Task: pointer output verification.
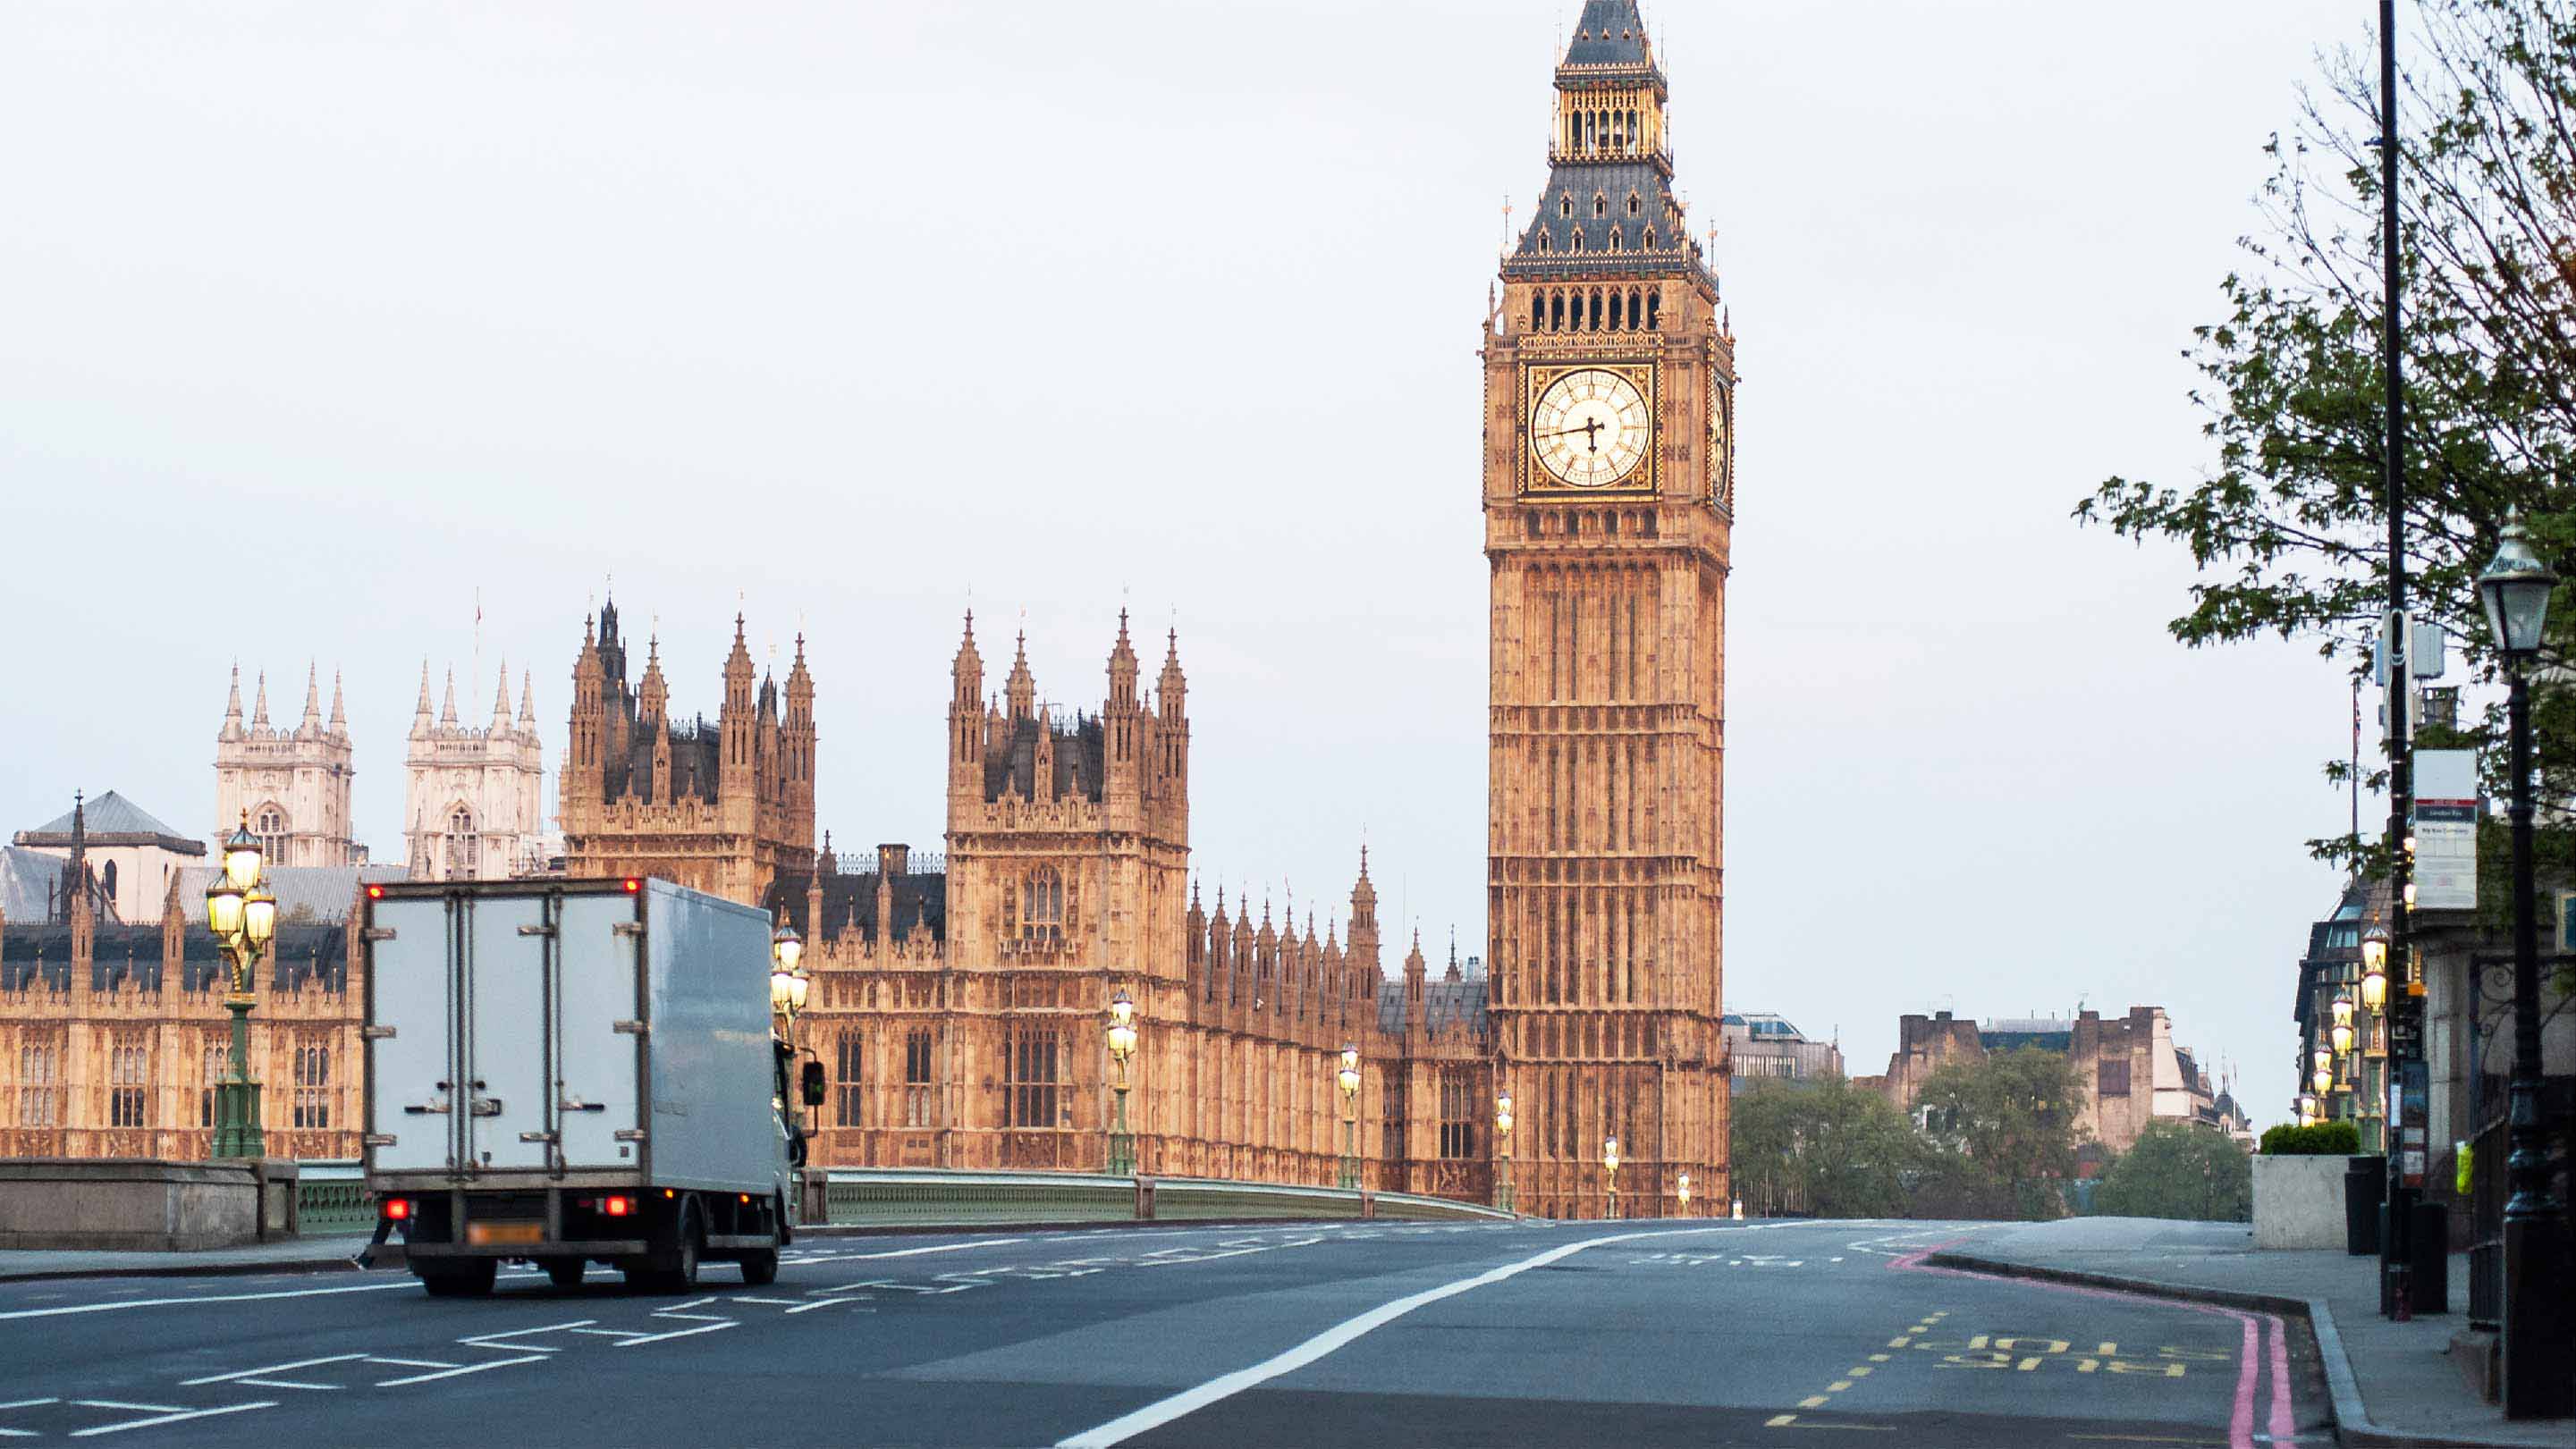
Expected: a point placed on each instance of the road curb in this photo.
(341, 1263)
(2353, 1426)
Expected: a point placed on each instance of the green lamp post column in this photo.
(1348, 1078)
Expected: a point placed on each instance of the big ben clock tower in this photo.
(1609, 500)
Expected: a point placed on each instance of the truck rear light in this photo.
(375, 893)
(618, 1206)
(633, 885)
(397, 1208)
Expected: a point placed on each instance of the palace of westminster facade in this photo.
(957, 1002)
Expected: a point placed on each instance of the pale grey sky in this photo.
(317, 317)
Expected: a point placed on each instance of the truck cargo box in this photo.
(529, 1039)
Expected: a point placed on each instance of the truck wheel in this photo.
(565, 1272)
(470, 1279)
(760, 1269)
(682, 1275)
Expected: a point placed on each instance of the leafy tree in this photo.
(2012, 1114)
(1826, 1147)
(2179, 1170)
(2289, 527)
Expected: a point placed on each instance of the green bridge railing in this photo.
(332, 1199)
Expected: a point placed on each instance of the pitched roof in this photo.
(1611, 32)
(111, 819)
(28, 881)
(321, 893)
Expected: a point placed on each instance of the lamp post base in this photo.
(1503, 1187)
(237, 1113)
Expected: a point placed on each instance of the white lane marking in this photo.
(274, 1368)
(913, 1252)
(172, 1417)
(1190, 1401)
(203, 1298)
(827, 1302)
(449, 1373)
(410, 1362)
(678, 1333)
(494, 1340)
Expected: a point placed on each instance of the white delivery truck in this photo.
(567, 1072)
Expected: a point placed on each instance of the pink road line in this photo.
(2249, 1367)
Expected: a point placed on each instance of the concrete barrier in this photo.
(147, 1204)
(2298, 1202)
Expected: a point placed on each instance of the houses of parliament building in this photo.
(958, 998)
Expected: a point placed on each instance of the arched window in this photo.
(1538, 311)
(1600, 204)
(1650, 238)
(1634, 205)
(1574, 240)
(1618, 314)
(1565, 205)
(1556, 311)
(1614, 238)
(1593, 323)
(1654, 312)
(463, 851)
(107, 879)
(1042, 905)
(270, 826)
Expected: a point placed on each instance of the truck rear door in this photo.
(599, 1008)
(411, 1037)
(503, 981)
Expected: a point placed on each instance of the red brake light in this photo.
(397, 1208)
(375, 893)
(617, 1207)
(633, 885)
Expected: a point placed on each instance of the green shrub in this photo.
(2324, 1139)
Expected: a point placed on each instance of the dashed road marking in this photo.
(161, 1414)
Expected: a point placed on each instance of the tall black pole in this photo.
(2538, 1382)
(2405, 1011)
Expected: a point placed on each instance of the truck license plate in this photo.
(505, 1232)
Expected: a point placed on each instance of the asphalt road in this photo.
(1632, 1334)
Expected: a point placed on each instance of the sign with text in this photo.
(2446, 830)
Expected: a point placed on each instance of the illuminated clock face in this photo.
(1591, 428)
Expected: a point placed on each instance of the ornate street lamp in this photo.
(787, 987)
(243, 916)
(1610, 1174)
(1348, 1078)
(1122, 1045)
(1503, 1149)
(2307, 1109)
(2322, 1079)
(1682, 1188)
(2374, 967)
(2537, 1345)
(2341, 1032)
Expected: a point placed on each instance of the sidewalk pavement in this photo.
(296, 1255)
(2392, 1382)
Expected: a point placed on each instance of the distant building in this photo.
(474, 799)
(132, 854)
(1763, 1046)
(290, 786)
(727, 808)
(113, 1032)
(2133, 1072)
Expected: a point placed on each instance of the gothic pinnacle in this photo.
(339, 706)
(259, 709)
(447, 713)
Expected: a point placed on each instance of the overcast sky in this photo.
(316, 319)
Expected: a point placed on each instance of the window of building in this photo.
(463, 855)
(1031, 1059)
(312, 1085)
(847, 1094)
(216, 1056)
(1635, 207)
(1042, 905)
(107, 879)
(1600, 204)
(270, 827)
(916, 1078)
(40, 1091)
(129, 1068)
(1458, 1114)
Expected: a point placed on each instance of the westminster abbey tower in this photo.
(1608, 502)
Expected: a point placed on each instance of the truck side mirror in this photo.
(812, 1086)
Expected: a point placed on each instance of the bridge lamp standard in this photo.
(1682, 1188)
(1348, 1079)
(242, 913)
(1122, 1045)
(2538, 1344)
(1610, 1173)
(1503, 1149)
(2341, 1032)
